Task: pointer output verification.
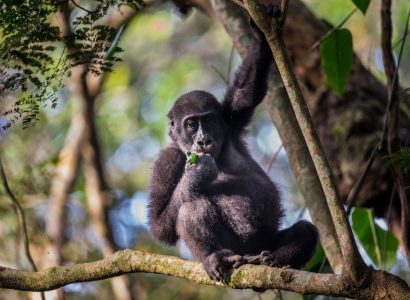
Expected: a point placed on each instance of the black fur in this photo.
(224, 207)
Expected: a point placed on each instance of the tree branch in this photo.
(21, 220)
(21, 217)
(353, 262)
(61, 184)
(247, 276)
(391, 125)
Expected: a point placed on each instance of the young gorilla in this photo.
(224, 206)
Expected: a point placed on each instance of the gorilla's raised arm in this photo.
(250, 84)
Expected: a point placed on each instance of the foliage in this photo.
(34, 60)
(380, 245)
(165, 56)
(315, 264)
(336, 52)
(362, 5)
(400, 158)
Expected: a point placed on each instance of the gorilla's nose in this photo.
(203, 145)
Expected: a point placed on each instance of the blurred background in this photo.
(164, 56)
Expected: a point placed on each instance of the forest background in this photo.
(77, 148)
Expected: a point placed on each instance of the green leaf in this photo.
(336, 53)
(113, 48)
(314, 264)
(380, 245)
(362, 5)
(194, 157)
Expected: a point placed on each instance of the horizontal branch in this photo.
(128, 261)
(247, 276)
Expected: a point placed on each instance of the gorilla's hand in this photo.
(204, 170)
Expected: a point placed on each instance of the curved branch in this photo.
(80, 7)
(21, 216)
(247, 276)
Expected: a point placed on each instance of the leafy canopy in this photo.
(36, 56)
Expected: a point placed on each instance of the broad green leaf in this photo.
(380, 245)
(314, 264)
(362, 5)
(336, 53)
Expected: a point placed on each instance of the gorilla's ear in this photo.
(171, 122)
(171, 125)
(171, 128)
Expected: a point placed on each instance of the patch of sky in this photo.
(81, 288)
(148, 112)
(3, 124)
(129, 216)
(130, 154)
(268, 140)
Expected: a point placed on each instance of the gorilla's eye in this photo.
(191, 124)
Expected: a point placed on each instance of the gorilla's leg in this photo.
(297, 245)
(292, 247)
(201, 227)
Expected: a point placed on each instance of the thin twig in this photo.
(219, 73)
(399, 42)
(390, 126)
(337, 27)
(354, 192)
(20, 214)
(21, 220)
(228, 76)
(275, 155)
(284, 11)
(393, 191)
(239, 2)
(80, 7)
(389, 102)
(301, 213)
(375, 239)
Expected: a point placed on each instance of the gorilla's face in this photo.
(196, 123)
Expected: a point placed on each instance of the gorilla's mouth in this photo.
(204, 150)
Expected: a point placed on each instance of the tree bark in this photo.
(381, 285)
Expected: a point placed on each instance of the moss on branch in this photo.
(247, 276)
(128, 261)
